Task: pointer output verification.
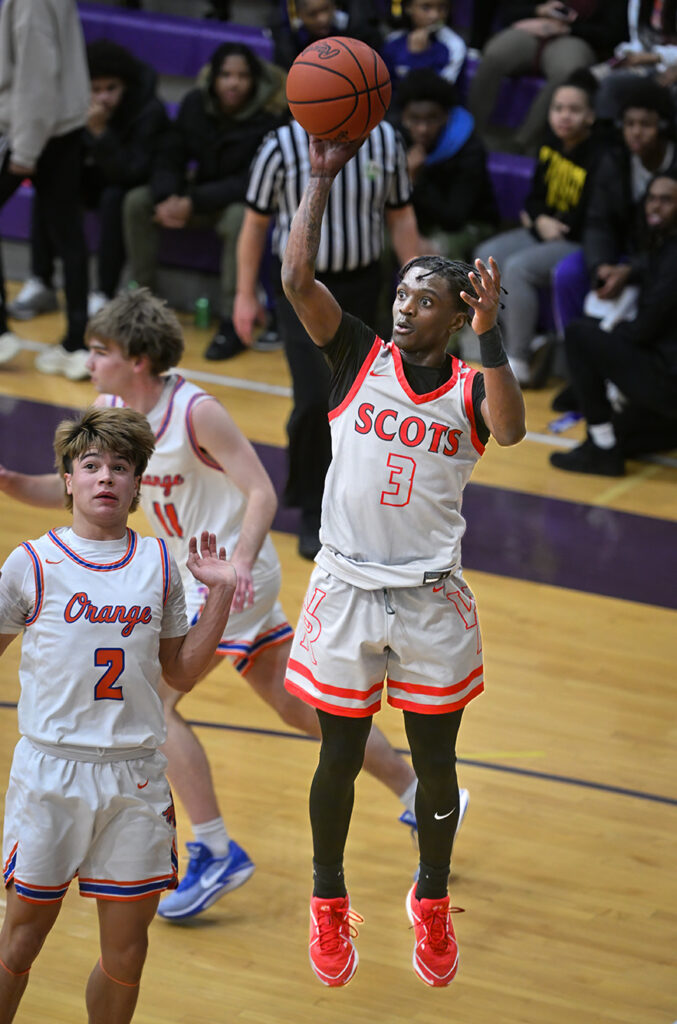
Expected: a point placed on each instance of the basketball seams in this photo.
(361, 79)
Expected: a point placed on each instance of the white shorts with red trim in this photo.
(253, 630)
(425, 641)
(112, 823)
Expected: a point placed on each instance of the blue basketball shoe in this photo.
(207, 879)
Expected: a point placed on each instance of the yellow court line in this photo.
(623, 486)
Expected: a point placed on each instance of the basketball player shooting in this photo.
(387, 599)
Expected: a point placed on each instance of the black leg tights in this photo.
(333, 788)
(432, 741)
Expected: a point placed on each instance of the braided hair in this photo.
(454, 272)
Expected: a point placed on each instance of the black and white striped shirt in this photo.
(352, 226)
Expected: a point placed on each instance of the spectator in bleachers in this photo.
(426, 41)
(650, 49)
(552, 223)
(44, 95)
(124, 125)
(453, 196)
(552, 39)
(637, 355)
(612, 230)
(201, 170)
(310, 20)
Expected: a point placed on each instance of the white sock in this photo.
(214, 835)
(602, 434)
(409, 796)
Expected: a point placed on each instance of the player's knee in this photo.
(342, 759)
(124, 961)
(24, 942)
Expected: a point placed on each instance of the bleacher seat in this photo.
(181, 46)
(174, 45)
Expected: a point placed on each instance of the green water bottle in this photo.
(202, 312)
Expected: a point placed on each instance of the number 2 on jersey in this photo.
(108, 687)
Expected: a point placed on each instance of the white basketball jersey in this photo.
(89, 666)
(391, 513)
(184, 491)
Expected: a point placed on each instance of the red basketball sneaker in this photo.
(435, 956)
(332, 952)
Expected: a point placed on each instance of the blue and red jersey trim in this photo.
(200, 453)
(170, 408)
(166, 570)
(132, 542)
(39, 581)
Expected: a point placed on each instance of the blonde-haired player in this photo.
(103, 615)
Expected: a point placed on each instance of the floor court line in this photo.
(241, 384)
(567, 780)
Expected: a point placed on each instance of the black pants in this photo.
(107, 201)
(595, 356)
(57, 194)
(309, 452)
(432, 741)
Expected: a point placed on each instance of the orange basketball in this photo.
(338, 88)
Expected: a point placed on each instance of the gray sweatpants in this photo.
(526, 266)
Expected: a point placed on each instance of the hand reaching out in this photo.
(208, 567)
(486, 303)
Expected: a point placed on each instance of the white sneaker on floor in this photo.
(56, 360)
(76, 368)
(95, 302)
(9, 346)
(33, 299)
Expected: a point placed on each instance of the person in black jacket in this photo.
(552, 39)
(552, 220)
(202, 168)
(639, 356)
(310, 20)
(124, 123)
(453, 197)
(614, 217)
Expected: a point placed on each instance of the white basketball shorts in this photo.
(424, 640)
(111, 823)
(251, 631)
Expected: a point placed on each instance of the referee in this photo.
(373, 189)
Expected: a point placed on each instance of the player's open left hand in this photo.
(209, 566)
(486, 281)
(328, 156)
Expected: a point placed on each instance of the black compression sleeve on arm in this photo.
(492, 352)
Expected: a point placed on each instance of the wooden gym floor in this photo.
(565, 864)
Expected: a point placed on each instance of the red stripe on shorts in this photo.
(437, 691)
(333, 691)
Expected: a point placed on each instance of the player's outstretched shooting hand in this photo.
(328, 156)
(209, 566)
(486, 302)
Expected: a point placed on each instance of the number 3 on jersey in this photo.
(108, 687)
(401, 480)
